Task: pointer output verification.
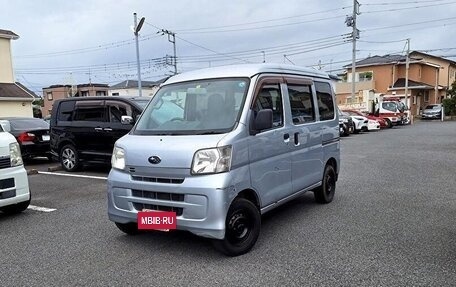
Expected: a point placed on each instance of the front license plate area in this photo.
(156, 220)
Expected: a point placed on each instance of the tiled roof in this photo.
(400, 83)
(134, 84)
(13, 90)
(8, 34)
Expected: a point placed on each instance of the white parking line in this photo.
(72, 175)
(42, 209)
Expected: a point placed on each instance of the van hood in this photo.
(173, 151)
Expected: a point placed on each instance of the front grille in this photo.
(6, 183)
(142, 206)
(5, 162)
(158, 179)
(158, 195)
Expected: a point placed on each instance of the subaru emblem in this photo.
(154, 159)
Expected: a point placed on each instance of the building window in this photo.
(426, 96)
(49, 96)
(419, 73)
(101, 93)
(365, 76)
(85, 94)
(414, 100)
(115, 94)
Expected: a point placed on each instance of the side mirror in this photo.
(262, 121)
(5, 125)
(126, 120)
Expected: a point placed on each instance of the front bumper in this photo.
(200, 202)
(20, 186)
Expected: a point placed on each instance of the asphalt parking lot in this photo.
(392, 223)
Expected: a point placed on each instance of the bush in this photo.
(449, 106)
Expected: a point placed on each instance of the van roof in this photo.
(245, 70)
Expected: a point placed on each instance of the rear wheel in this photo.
(128, 228)
(242, 228)
(69, 158)
(325, 193)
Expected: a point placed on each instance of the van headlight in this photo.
(118, 158)
(212, 160)
(15, 154)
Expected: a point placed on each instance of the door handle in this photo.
(98, 129)
(286, 137)
(107, 129)
(296, 139)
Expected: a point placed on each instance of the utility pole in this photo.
(137, 28)
(407, 64)
(172, 39)
(351, 22)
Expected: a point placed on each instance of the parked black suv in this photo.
(84, 130)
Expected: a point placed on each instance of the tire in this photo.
(389, 124)
(16, 208)
(69, 158)
(128, 228)
(242, 228)
(325, 193)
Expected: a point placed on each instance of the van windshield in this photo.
(197, 107)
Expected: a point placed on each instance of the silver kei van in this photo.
(221, 146)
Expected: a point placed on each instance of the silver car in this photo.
(219, 147)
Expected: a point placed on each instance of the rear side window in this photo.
(325, 101)
(93, 111)
(65, 111)
(302, 104)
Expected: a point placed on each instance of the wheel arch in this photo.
(250, 195)
(332, 161)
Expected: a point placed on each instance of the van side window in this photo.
(325, 101)
(93, 111)
(118, 109)
(302, 104)
(270, 97)
(65, 111)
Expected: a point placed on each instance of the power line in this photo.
(259, 22)
(408, 8)
(408, 24)
(401, 3)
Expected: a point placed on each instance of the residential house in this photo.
(429, 78)
(56, 92)
(15, 98)
(130, 88)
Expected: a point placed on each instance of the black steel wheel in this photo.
(242, 228)
(128, 228)
(325, 193)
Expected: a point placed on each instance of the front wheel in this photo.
(128, 228)
(242, 228)
(69, 158)
(389, 124)
(325, 193)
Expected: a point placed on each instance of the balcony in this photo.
(345, 87)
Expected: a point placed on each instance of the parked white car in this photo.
(14, 187)
(362, 123)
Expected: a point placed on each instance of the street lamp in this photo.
(136, 29)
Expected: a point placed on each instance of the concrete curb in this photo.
(55, 168)
(32, 171)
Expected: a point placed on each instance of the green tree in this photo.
(449, 104)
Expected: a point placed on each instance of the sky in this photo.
(76, 42)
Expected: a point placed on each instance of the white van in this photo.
(14, 187)
(219, 147)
